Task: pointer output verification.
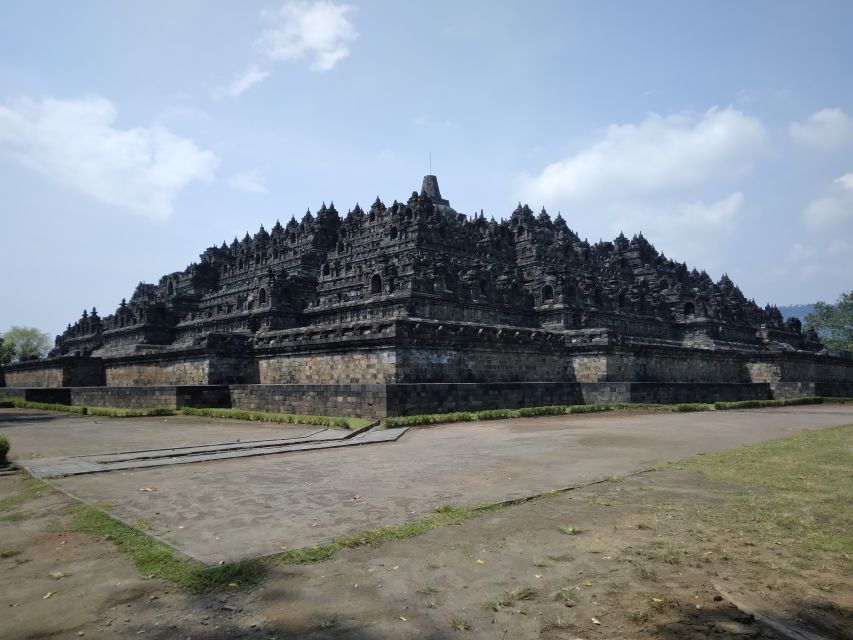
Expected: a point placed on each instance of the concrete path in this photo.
(146, 458)
(230, 509)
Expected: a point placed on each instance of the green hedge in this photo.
(286, 418)
(4, 449)
(552, 410)
(130, 412)
(20, 403)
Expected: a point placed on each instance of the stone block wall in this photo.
(375, 366)
(50, 376)
(655, 364)
(169, 396)
(496, 363)
(673, 392)
(157, 371)
(357, 400)
(413, 399)
(837, 389)
(797, 367)
(57, 395)
(56, 372)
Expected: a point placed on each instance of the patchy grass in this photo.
(798, 488)
(460, 624)
(509, 598)
(555, 410)
(284, 418)
(571, 531)
(33, 489)
(561, 557)
(448, 516)
(155, 559)
(17, 516)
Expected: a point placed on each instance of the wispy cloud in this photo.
(249, 181)
(76, 143)
(827, 129)
(319, 30)
(247, 79)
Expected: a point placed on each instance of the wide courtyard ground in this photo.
(658, 554)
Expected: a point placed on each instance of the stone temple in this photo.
(416, 308)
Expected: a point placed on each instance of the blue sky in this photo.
(133, 135)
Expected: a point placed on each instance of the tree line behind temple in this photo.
(833, 323)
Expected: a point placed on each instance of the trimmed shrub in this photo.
(284, 418)
(130, 412)
(4, 449)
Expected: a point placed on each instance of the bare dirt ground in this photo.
(647, 556)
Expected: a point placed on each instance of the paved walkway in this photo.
(230, 509)
(145, 458)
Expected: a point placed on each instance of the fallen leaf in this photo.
(481, 562)
(698, 606)
(148, 489)
(657, 599)
(402, 618)
(233, 584)
(595, 621)
(537, 575)
(48, 595)
(57, 575)
(587, 583)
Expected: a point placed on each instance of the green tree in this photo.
(834, 322)
(24, 343)
(6, 352)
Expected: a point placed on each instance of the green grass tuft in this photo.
(33, 489)
(509, 598)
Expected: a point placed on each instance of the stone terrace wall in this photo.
(655, 364)
(413, 399)
(55, 372)
(357, 400)
(376, 366)
(171, 397)
(785, 367)
(673, 392)
(470, 364)
(158, 371)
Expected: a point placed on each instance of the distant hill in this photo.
(797, 311)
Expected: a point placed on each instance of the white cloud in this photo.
(657, 155)
(249, 78)
(826, 129)
(318, 29)
(691, 231)
(834, 211)
(249, 181)
(76, 143)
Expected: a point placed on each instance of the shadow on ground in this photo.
(812, 620)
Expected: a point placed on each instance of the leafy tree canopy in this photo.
(834, 322)
(23, 343)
